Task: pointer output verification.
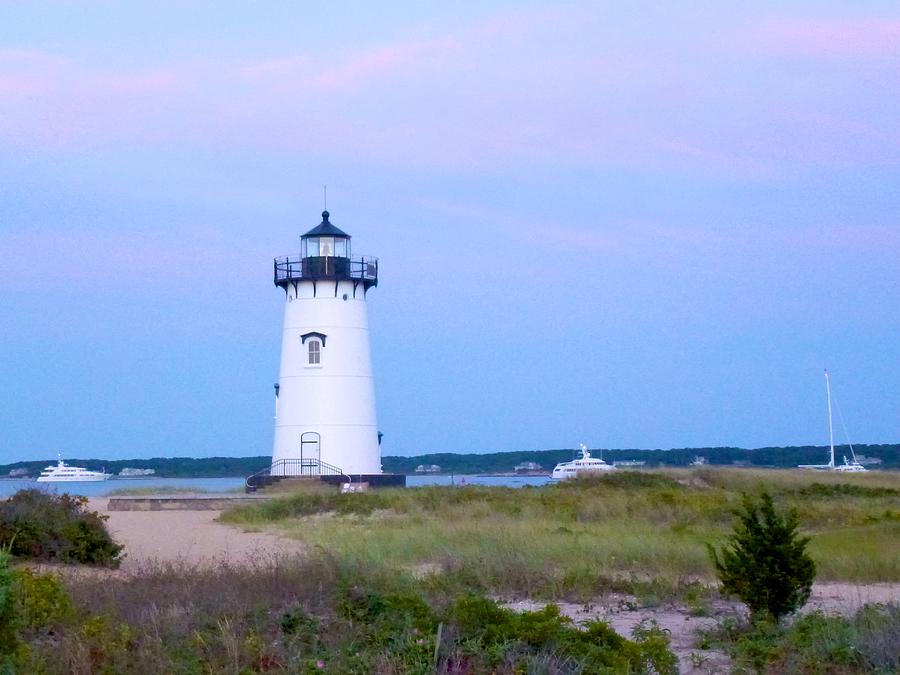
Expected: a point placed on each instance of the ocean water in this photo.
(506, 481)
(104, 488)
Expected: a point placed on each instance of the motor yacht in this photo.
(63, 473)
(585, 465)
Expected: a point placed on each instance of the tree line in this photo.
(496, 462)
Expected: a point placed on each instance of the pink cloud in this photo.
(384, 60)
(300, 72)
(147, 83)
(59, 101)
(823, 38)
(26, 73)
(427, 55)
(19, 86)
(542, 87)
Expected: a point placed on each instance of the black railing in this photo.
(294, 268)
(292, 468)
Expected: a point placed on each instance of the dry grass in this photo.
(587, 536)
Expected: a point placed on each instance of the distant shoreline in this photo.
(490, 464)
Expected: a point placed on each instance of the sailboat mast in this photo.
(830, 426)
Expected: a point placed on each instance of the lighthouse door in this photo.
(310, 452)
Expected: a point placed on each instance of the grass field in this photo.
(639, 531)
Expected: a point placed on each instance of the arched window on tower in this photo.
(315, 353)
(314, 342)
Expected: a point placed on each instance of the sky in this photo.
(628, 224)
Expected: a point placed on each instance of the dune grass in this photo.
(638, 530)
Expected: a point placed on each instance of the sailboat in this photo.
(849, 465)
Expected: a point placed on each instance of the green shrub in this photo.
(41, 600)
(45, 526)
(765, 562)
(867, 642)
(485, 628)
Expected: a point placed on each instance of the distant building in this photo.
(699, 460)
(527, 466)
(19, 473)
(868, 461)
(629, 462)
(428, 468)
(128, 472)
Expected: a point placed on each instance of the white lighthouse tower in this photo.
(325, 421)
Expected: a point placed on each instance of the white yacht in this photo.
(63, 473)
(849, 465)
(585, 465)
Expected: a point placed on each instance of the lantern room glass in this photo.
(326, 247)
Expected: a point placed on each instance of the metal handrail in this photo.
(307, 467)
(359, 268)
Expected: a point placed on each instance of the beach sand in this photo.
(188, 536)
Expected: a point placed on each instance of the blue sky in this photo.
(626, 224)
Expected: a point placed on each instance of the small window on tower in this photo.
(315, 353)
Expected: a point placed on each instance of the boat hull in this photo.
(78, 479)
(562, 474)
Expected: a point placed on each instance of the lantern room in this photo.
(325, 251)
(325, 241)
(325, 255)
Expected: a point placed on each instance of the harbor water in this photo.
(236, 484)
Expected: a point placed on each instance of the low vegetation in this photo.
(8, 623)
(303, 616)
(55, 528)
(414, 581)
(867, 642)
(642, 532)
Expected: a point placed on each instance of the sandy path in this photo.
(194, 536)
(623, 616)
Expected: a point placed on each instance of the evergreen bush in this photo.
(764, 561)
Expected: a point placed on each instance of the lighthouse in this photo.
(325, 422)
